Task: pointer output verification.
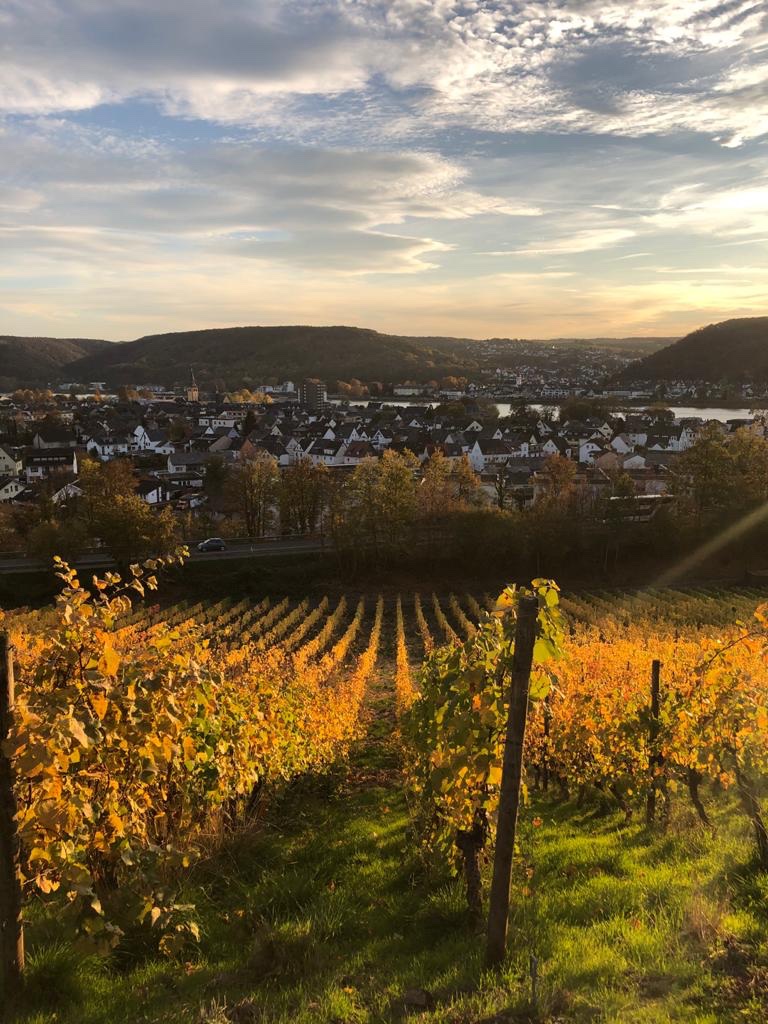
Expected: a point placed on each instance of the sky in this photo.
(476, 168)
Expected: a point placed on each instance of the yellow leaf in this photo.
(110, 660)
(78, 732)
(116, 822)
(99, 703)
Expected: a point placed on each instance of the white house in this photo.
(588, 450)
(10, 488)
(41, 464)
(154, 492)
(10, 464)
(326, 453)
(622, 445)
(109, 447)
(489, 453)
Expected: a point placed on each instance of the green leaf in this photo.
(541, 684)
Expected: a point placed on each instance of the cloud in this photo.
(306, 206)
(740, 211)
(399, 66)
(382, 161)
(579, 241)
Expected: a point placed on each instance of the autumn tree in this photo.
(466, 485)
(374, 514)
(554, 522)
(302, 497)
(131, 530)
(51, 537)
(447, 486)
(10, 537)
(706, 474)
(558, 475)
(435, 489)
(102, 483)
(749, 455)
(501, 487)
(114, 514)
(396, 498)
(253, 488)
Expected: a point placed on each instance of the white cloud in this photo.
(625, 67)
(309, 207)
(577, 242)
(725, 212)
(380, 161)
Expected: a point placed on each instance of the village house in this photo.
(39, 464)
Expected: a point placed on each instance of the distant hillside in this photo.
(36, 360)
(734, 350)
(283, 352)
(237, 355)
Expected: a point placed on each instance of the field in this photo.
(310, 626)
(263, 801)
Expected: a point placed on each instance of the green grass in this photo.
(326, 913)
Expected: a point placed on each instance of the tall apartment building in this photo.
(313, 395)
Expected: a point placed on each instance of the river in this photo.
(505, 408)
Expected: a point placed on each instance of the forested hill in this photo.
(734, 350)
(235, 353)
(38, 359)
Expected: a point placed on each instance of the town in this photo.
(183, 454)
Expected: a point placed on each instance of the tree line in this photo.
(393, 510)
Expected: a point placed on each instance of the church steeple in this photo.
(193, 391)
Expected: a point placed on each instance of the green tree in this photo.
(217, 475)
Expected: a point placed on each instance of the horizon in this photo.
(354, 327)
(463, 168)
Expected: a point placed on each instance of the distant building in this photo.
(313, 395)
(193, 392)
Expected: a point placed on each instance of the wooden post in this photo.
(511, 775)
(655, 759)
(11, 928)
(547, 721)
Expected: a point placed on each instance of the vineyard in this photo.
(146, 737)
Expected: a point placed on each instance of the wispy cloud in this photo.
(626, 67)
(399, 156)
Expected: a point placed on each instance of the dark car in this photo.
(212, 544)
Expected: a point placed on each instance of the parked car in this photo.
(212, 544)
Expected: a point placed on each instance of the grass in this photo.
(327, 915)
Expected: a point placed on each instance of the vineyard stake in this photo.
(656, 760)
(511, 775)
(11, 927)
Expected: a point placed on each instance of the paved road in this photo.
(237, 549)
